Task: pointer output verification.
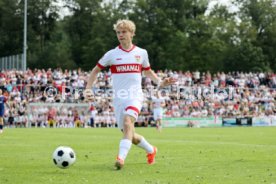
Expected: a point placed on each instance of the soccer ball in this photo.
(64, 157)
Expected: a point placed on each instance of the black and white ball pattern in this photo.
(64, 157)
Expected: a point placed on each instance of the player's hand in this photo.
(88, 95)
(168, 81)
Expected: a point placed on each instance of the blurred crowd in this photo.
(196, 94)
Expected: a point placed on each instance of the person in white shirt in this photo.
(158, 103)
(127, 61)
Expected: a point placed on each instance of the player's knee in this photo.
(128, 126)
(128, 120)
(128, 130)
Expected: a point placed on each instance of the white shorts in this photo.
(157, 114)
(131, 107)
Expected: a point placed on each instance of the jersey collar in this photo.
(133, 46)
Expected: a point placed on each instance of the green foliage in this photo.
(248, 58)
(262, 15)
(56, 53)
(11, 28)
(178, 34)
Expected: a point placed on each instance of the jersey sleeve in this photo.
(145, 62)
(105, 60)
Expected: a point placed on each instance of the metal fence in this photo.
(12, 62)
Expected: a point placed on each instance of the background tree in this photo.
(11, 26)
(260, 17)
(42, 22)
(178, 34)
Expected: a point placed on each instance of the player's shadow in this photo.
(110, 167)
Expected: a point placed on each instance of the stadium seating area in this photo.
(196, 94)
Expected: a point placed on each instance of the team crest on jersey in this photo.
(138, 58)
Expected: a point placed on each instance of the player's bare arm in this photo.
(161, 83)
(88, 94)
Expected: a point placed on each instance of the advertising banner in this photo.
(229, 122)
(264, 121)
(192, 122)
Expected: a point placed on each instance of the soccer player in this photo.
(2, 110)
(158, 103)
(127, 61)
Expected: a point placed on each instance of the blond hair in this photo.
(126, 24)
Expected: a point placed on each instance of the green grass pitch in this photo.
(185, 155)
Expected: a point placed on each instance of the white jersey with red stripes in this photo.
(126, 68)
